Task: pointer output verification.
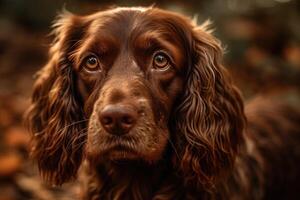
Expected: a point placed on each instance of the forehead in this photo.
(127, 25)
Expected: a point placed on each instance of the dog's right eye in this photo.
(92, 63)
(161, 61)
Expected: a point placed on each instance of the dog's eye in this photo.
(161, 61)
(92, 63)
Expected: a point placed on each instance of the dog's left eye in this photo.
(161, 61)
(92, 63)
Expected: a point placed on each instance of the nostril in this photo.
(127, 120)
(106, 120)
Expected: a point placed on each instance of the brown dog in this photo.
(141, 95)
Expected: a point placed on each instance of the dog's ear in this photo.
(209, 118)
(55, 117)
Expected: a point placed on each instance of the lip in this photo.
(121, 152)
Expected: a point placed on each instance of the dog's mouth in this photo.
(120, 148)
(121, 153)
(135, 146)
(115, 152)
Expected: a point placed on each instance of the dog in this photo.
(138, 101)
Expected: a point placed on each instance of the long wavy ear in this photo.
(209, 118)
(55, 116)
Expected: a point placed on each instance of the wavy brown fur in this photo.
(211, 152)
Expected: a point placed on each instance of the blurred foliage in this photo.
(261, 38)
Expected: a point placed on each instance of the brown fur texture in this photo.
(190, 139)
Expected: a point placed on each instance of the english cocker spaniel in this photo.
(137, 100)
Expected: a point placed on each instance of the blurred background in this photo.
(262, 40)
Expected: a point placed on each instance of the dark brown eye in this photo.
(161, 61)
(92, 63)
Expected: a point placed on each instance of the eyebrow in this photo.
(101, 44)
(153, 39)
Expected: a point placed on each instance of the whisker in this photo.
(61, 129)
(72, 124)
(172, 146)
(82, 133)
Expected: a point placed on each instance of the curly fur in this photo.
(212, 152)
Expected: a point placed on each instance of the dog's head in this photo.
(132, 84)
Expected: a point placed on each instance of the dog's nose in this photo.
(118, 119)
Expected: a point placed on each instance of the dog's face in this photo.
(131, 66)
(124, 83)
